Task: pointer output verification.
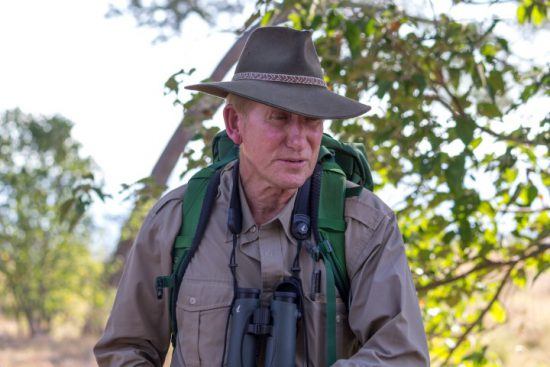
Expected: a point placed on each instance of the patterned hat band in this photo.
(284, 78)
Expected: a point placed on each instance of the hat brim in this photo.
(306, 100)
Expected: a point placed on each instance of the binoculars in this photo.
(276, 325)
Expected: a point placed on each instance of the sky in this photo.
(65, 57)
(105, 75)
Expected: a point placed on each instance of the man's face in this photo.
(278, 147)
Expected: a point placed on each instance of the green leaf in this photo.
(465, 129)
(510, 174)
(486, 208)
(420, 81)
(488, 50)
(370, 27)
(266, 18)
(475, 143)
(383, 87)
(528, 194)
(448, 237)
(521, 12)
(537, 15)
(496, 81)
(296, 21)
(503, 43)
(532, 192)
(497, 312)
(171, 84)
(353, 36)
(529, 91)
(333, 20)
(488, 109)
(316, 22)
(455, 174)
(454, 74)
(65, 207)
(519, 277)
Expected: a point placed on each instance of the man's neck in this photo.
(264, 201)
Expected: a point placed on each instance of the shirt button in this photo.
(253, 229)
(338, 318)
(192, 300)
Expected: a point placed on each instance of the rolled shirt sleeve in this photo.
(137, 332)
(384, 312)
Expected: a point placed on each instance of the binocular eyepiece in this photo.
(252, 324)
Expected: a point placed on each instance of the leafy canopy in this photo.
(454, 134)
(45, 264)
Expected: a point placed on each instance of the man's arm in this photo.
(384, 312)
(137, 333)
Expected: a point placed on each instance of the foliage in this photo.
(168, 15)
(528, 11)
(454, 132)
(45, 264)
(475, 212)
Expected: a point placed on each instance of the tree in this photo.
(452, 133)
(45, 264)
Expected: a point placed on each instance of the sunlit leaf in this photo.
(488, 109)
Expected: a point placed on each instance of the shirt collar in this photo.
(249, 229)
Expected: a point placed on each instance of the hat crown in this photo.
(280, 50)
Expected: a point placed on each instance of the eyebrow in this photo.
(277, 110)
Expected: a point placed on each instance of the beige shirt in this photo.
(383, 327)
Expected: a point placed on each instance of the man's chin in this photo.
(292, 182)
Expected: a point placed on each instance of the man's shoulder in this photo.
(173, 196)
(367, 208)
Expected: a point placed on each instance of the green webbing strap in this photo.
(192, 205)
(331, 229)
(332, 225)
(330, 316)
(334, 156)
(191, 210)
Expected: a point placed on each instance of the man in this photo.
(274, 111)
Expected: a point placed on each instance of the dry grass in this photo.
(523, 341)
(43, 351)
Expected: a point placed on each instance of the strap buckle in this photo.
(313, 250)
(161, 282)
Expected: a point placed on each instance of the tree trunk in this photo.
(203, 109)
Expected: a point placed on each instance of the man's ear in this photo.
(232, 126)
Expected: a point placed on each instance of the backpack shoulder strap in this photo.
(197, 205)
(328, 189)
(191, 211)
(332, 226)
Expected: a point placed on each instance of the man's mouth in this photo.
(294, 162)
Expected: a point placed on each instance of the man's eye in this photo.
(313, 120)
(279, 117)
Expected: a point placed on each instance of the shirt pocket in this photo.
(346, 344)
(202, 310)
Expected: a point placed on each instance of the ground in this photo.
(523, 341)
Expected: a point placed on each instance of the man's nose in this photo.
(296, 131)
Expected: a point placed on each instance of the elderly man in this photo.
(275, 106)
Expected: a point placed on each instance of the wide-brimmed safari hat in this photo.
(279, 67)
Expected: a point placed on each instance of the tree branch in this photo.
(203, 108)
(377, 8)
(486, 265)
(479, 319)
(508, 137)
(525, 210)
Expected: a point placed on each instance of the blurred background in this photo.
(95, 126)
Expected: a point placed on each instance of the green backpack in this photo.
(339, 162)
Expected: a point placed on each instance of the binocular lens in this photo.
(289, 297)
(248, 293)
